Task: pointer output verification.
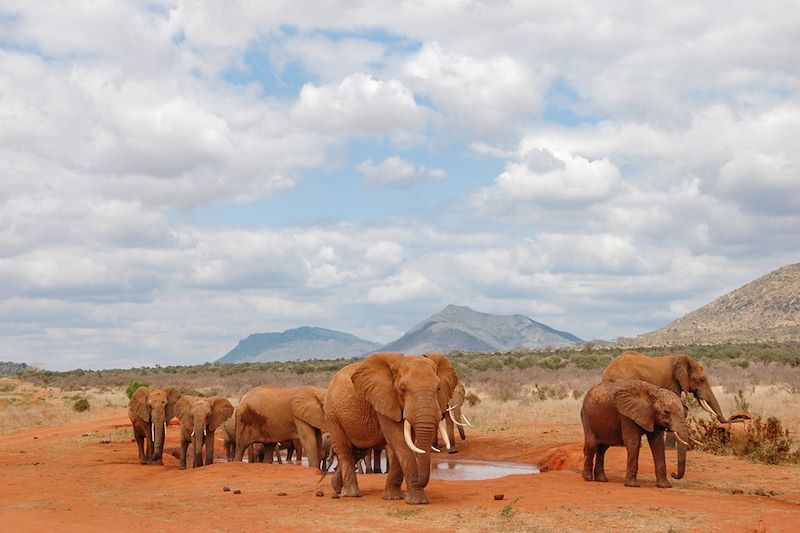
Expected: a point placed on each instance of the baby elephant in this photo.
(200, 418)
(618, 413)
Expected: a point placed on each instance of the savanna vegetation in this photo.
(546, 385)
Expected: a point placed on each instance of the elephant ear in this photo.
(680, 371)
(221, 410)
(447, 378)
(138, 404)
(173, 395)
(306, 405)
(182, 409)
(635, 403)
(374, 379)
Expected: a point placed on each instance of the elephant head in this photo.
(202, 416)
(651, 406)
(156, 407)
(691, 376)
(412, 390)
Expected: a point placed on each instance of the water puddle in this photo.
(453, 469)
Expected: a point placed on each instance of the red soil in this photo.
(84, 476)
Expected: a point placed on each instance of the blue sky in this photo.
(175, 176)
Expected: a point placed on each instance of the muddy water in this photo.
(456, 469)
(453, 469)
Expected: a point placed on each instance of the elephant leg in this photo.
(184, 447)
(376, 460)
(600, 463)
(589, 448)
(632, 445)
(149, 445)
(336, 481)
(298, 451)
(308, 440)
(394, 479)
(368, 461)
(656, 441)
(278, 454)
(267, 453)
(140, 445)
(347, 463)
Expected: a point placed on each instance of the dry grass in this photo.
(24, 405)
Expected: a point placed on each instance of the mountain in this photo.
(767, 309)
(461, 328)
(299, 343)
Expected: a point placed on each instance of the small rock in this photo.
(320, 494)
(282, 494)
(34, 438)
(226, 488)
(737, 491)
(499, 496)
(335, 496)
(237, 491)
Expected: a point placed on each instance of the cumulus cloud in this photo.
(552, 179)
(395, 171)
(360, 104)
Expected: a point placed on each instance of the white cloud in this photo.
(406, 285)
(359, 104)
(553, 180)
(395, 171)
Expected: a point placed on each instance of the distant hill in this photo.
(461, 328)
(299, 343)
(767, 309)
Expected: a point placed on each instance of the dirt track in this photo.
(83, 476)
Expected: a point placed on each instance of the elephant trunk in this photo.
(157, 421)
(198, 437)
(682, 438)
(423, 434)
(714, 404)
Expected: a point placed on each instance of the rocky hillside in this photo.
(765, 310)
(298, 344)
(461, 328)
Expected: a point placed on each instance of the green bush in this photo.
(472, 399)
(132, 386)
(552, 362)
(81, 405)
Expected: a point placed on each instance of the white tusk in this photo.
(165, 432)
(437, 450)
(204, 432)
(464, 418)
(697, 442)
(407, 436)
(679, 439)
(450, 407)
(443, 433)
(152, 431)
(705, 406)
(456, 422)
(192, 435)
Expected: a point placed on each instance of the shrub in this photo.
(552, 362)
(81, 405)
(472, 399)
(761, 442)
(132, 386)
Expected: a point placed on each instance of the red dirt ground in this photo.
(84, 476)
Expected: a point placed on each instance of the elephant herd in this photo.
(409, 405)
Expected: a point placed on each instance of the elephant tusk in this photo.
(443, 433)
(204, 432)
(152, 431)
(464, 418)
(437, 450)
(165, 432)
(456, 422)
(191, 436)
(679, 439)
(696, 442)
(407, 436)
(450, 407)
(704, 405)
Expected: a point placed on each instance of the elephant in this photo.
(271, 414)
(200, 418)
(149, 410)
(371, 461)
(618, 413)
(676, 372)
(392, 400)
(229, 436)
(455, 418)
